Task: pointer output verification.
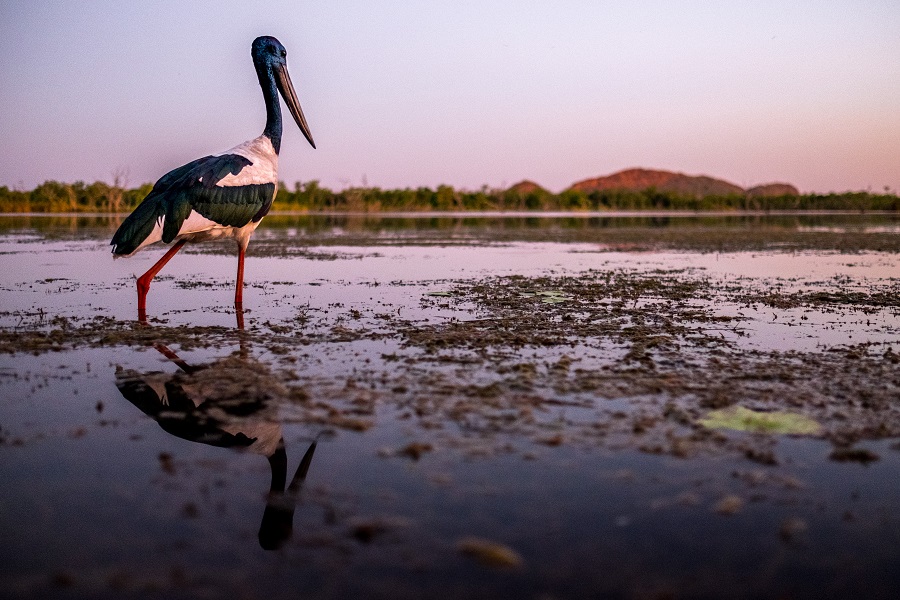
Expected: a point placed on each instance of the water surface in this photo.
(453, 406)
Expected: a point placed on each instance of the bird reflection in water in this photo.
(228, 403)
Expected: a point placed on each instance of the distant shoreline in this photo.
(524, 198)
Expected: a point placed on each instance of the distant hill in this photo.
(696, 186)
(664, 181)
(679, 183)
(525, 187)
(772, 190)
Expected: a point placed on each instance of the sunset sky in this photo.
(468, 93)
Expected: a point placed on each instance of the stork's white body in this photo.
(197, 228)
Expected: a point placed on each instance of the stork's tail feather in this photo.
(137, 226)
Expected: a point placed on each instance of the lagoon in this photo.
(454, 406)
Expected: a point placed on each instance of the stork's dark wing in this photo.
(194, 187)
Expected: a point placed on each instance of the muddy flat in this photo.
(490, 406)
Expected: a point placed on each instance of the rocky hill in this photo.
(668, 181)
(772, 190)
(523, 188)
(664, 181)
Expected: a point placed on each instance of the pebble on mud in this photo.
(415, 450)
(729, 505)
(166, 463)
(490, 554)
(366, 529)
(860, 455)
(791, 528)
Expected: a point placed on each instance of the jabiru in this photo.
(219, 196)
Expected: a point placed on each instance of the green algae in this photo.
(738, 418)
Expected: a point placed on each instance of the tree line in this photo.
(100, 197)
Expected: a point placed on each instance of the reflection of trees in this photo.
(228, 403)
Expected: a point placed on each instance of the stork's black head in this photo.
(270, 59)
(267, 50)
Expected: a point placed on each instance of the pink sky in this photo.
(406, 94)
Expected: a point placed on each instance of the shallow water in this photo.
(447, 401)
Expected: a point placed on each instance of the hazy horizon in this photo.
(463, 93)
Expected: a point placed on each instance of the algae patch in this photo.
(548, 296)
(739, 418)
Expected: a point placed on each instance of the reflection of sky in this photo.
(97, 478)
(465, 93)
(62, 279)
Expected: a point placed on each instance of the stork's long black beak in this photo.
(283, 80)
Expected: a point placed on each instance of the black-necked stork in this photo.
(220, 196)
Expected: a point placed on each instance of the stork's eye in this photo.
(284, 54)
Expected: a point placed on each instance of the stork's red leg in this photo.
(239, 313)
(239, 289)
(143, 282)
